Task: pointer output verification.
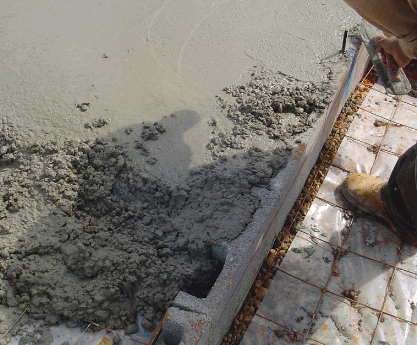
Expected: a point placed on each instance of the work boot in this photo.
(364, 192)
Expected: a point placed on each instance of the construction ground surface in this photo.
(344, 277)
(347, 278)
(122, 127)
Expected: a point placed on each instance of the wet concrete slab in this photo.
(68, 64)
(134, 62)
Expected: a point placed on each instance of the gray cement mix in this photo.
(111, 240)
(122, 161)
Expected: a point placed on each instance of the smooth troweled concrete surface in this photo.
(136, 61)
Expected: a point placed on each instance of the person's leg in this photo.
(400, 194)
(394, 201)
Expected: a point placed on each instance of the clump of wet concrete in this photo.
(110, 240)
(83, 106)
(269, 106)
(88, 235)
(39, 335)
(96, 123)
(153, 132)
(143, 149)
(352, 294)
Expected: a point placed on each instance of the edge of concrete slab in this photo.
(203, 321)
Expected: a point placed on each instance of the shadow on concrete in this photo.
(114, 234)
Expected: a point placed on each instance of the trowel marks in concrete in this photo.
(87, 233)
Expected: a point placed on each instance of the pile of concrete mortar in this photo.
(107, 239)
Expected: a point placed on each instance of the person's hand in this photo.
(392, 55)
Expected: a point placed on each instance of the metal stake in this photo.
(343, 50)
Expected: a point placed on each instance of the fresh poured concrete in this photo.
(133, 63)
(206, 321)
(136, 61)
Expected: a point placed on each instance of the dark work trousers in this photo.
(400, 194)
